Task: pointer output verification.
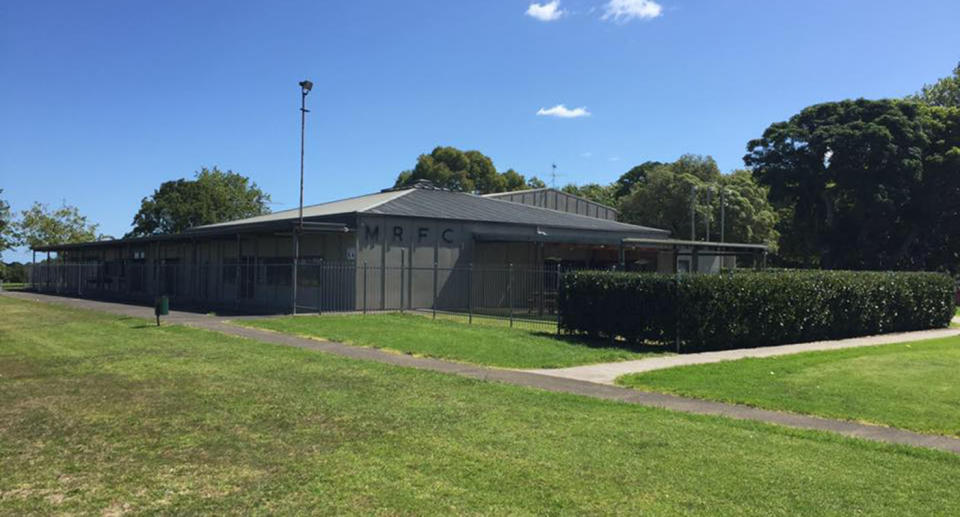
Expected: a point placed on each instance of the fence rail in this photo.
(511, 296)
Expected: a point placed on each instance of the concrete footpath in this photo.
(606, 373)
(523, 378)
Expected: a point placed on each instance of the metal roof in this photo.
(429, 203)
(440, 204)
(342, 206)
(433, 203)
(497, 195)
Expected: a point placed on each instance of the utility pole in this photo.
(305, 87)
(693, 213)
(553, 175)
(709, 211)
(723, 213)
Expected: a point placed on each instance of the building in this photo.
(558, 200)
(413, 247)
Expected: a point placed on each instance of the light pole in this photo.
(723, 213)
(709, 211)
(305, 87)
(693, 213)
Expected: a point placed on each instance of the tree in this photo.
(629, 179)
(39, 226)
(213, 196)
(603, 194)
(462, 171)
(864, 184)
(13, 272)
(944, 93)
(535, 182)
(663, 200)
(8, 236)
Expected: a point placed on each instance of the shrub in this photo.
(749, 309)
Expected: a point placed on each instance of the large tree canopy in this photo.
(944, 93)
(603, 194)
(661, 197)
(213, 196)
(463, 171)
(39, 226)
(865, 184)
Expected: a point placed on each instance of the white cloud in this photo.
(547, 12)
(561, 111)
(626, 10)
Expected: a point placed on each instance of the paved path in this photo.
(606, 373)
(527, 379)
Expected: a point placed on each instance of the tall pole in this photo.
(693, 213)
(305, 87)
(709, 212)
(723, 213)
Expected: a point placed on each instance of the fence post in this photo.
(294, 280)
(510, 291)
(79, 278)
(556, 303)
(410, 281)
(403, 262)
(470, 294)
(364, 286)
(320, 270)
(434, 290)
(542, 283)
(676, 315)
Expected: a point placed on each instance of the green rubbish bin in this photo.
(161, 307)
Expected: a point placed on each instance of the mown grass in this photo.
(533, 324)
(441, 338)
(907, 385)
(103, 414)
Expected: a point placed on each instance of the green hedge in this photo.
(749, 309)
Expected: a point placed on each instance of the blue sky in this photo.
(101, 101)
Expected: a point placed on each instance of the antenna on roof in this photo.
(553, 175)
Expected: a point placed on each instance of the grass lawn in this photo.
(544, 325)
(907, 385)
(479, 344)
(14, 286)
(104, 414)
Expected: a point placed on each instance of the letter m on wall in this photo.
(371, 233)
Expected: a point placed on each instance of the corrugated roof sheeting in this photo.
(343, 206)
(468, 207)
(554, 199)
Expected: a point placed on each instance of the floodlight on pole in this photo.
(305, 87)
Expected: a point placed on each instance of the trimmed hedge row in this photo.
(750, 309)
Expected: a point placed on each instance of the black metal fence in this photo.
(510, 296)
